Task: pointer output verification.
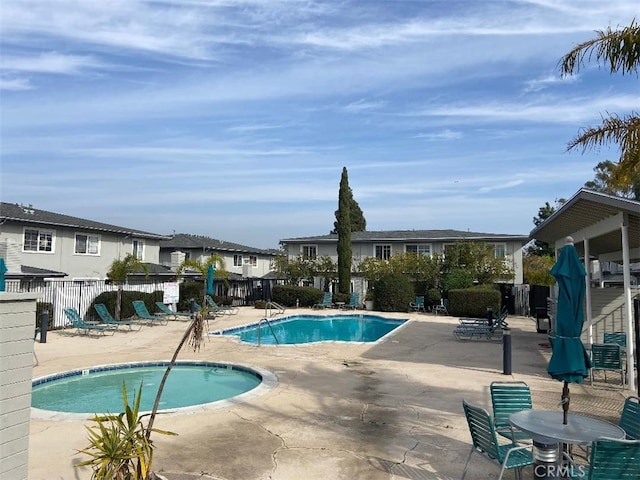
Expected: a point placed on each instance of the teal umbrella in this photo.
(210, 274)
(569, 360)
(3, 270)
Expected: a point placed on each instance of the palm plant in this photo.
(619, 51)
(118, 272)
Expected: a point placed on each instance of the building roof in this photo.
(411, 235)
(185, 241)
(34, 272)
(588, 209)
(27, 214)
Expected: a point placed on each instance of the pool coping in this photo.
(235, 338)
(268, 382)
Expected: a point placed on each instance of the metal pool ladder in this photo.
(270, 328)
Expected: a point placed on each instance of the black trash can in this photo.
(542, 320)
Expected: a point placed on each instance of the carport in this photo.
(605, 228)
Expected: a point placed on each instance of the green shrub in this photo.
(473, 302)
(341, 297)
(189, 290)
(393, 293)
(260, 304)
(433, 297)
(287, 295)
(457, 279)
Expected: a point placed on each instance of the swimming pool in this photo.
(299, 329)
(190, 387)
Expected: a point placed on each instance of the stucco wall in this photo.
(17, 321)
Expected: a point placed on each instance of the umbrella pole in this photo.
(565, 402)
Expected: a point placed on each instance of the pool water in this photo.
(100, 390)
(316, 328)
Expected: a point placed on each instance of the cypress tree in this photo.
(343, 228)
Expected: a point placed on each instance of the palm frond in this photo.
(619, 50)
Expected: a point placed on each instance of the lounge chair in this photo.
(473, 331)
(442, 307)
(354, 301)
(143, 314)
(164, 310)
(218, 310)
(107, 318)
(327, 301)
(417, 305)
(86, 328)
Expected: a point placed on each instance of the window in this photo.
(237, 260)
(309, 251)
(383, 251)
(87, 244)
(500, 250)
(420, 249)
(38, 240)
(138, 247)
(251, 260)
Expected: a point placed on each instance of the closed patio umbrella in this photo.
(210, 274)
(3, 270)
(569, 361)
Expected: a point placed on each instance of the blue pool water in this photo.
(99, 390)
(316, 328)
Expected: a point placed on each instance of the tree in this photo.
(478, 259)
(325, 268)
(536, 270)
(295, 269)
(343, 228)
(604, 182)
(358, 222)
(619, 51)
(544, 212)
(118, 272)
(203, 269)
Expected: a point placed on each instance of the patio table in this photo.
(548, 432)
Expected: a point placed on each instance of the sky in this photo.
(234, 118)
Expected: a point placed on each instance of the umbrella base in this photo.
(546, 461)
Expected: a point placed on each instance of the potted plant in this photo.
(368, 300)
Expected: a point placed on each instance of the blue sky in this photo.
(233, 118)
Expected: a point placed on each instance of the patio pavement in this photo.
(391, 410)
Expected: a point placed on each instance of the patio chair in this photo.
(610, 459)
(354, 301)
(508, 398)
(630, 418)
(218, 310)
(619, 338)
(327, 301)
(485, 442)
(143, 314)
(606, 357)
(417, 305)
(107, 318)
(86, 328)
(164, 310)
(442, 307)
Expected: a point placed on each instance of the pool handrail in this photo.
(270, 328)
(270, 306)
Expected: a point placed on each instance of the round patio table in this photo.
(548, 432)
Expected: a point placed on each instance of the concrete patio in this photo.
(391, 410)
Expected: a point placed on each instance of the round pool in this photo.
(190, 387)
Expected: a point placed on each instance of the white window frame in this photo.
(88, 241)
(496, 246)
(44, 237)
(251, 260)
(237, 260)
(309, 251)
(421, 248)
(138, 252)
(385, 251)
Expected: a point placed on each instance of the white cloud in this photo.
(445, 134)
(15, 84)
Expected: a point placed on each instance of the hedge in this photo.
(473, 302)
(292, 295)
